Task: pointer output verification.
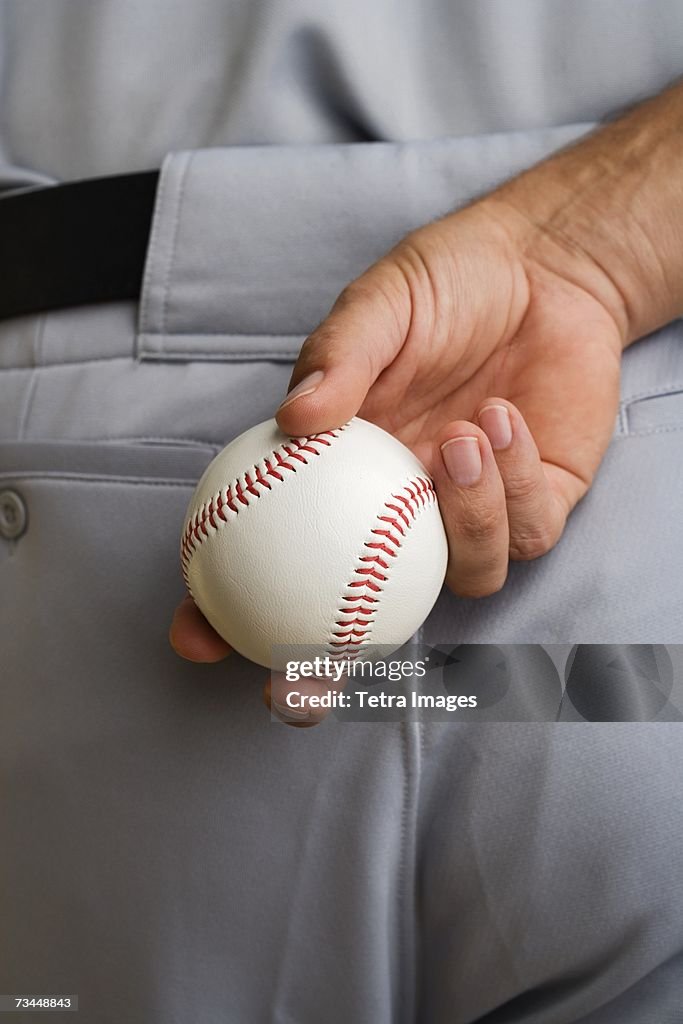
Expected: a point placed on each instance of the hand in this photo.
(490, 340)
(499, 372)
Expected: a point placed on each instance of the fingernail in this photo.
(495, 421)
(305, 387)
(291, 714)
(463, 460)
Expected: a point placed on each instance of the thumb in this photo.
(341, 359)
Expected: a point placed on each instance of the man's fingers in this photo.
(538, 498)
(193, 638)
(297, 703)
(345, 354)
(472, 503)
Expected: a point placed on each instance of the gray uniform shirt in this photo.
(104, 87)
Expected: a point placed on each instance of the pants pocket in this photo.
(658, 412)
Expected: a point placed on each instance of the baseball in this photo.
(330, 542)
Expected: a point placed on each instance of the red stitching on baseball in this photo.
(250, 485)
(371, 572)
(230, 501)
(389, 536)
(349, 644)
(236, 493)
(375, 558)
(261, 479)
(400, 511)
(354, 630)
(273, 472)
(393, 521)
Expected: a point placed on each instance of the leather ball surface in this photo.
(330, 542)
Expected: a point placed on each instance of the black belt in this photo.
(74, 244)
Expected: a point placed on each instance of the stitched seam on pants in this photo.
(178, 355)
(663, 391)
(407, 958)
(57, 475)
(648, 432)
(174, 241)
(33, 379)
(151, 256)
(185, 442)
(58, 364)
(629, 406)
(226, 334)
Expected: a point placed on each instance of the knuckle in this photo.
(524, 547)
(348, 295)
(521, 489)
(309, 348)
(323, 340)
(479, 524)
(359, 290)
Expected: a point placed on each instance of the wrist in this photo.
(607, 213)
(549, 232)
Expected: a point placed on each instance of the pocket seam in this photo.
(236, 345)
(659, 392)
(625, 417)
(649, 431)
(56, 475)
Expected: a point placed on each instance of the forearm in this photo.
(614, 202)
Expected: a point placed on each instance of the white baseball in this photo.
(331, 542)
